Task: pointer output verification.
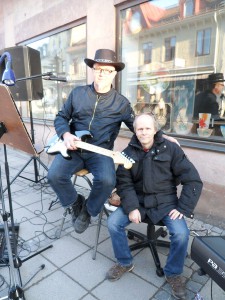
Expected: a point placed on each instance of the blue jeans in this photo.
(104, 178)
(179, 236)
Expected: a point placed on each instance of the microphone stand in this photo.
(46, 76)
(34, 76)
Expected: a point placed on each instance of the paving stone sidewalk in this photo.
(70, 273)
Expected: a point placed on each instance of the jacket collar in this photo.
(110, 92)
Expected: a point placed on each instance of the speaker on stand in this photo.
(26, 64)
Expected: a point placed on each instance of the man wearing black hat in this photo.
(208, 101)
(100, 109)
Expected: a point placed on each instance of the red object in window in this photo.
(202, 123)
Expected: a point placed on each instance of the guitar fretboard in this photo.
(94, 148)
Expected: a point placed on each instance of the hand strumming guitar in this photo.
(69, 140)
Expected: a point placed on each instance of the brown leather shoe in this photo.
(117, 271)
(177, 284)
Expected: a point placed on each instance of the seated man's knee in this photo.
(52, 177)
(56, 178)
(107, 181)
(182, 234)
(112, 223)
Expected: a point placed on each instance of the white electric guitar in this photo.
(56, 145)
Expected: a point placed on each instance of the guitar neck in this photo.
(93, 148)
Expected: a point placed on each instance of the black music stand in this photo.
(35, 158)
(17, 135)
(13, 133)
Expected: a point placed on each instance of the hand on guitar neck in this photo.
(72, 142)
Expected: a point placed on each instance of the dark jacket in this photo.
(151, 184)
(205, 102)
(101, 114)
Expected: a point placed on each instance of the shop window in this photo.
(203, 42)
(167, 78)
(62, 54)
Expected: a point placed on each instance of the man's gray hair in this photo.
(155, 122)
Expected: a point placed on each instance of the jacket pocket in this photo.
(160, 201)
(150, 201)
(165, 200)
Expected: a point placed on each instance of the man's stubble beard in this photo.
(102, 87)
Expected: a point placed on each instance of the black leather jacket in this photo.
(205, 102)
(151, 184)
(101, 114)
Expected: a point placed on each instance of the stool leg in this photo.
(88, 181)
(66, 212)
(75, 179)
(97, 234)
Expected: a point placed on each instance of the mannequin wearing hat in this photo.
(208, 101)
(100, 109)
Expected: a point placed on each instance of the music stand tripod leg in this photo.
(36, 172)
(15, 292)
(13, 133)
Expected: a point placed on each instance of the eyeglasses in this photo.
(104, 71)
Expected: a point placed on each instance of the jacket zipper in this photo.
(89, 127)
(96, 103)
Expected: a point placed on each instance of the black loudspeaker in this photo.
(209, 253)
(26, 62)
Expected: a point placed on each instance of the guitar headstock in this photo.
(123, 159)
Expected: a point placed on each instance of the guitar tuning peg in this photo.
(129, 158)
(124, 154)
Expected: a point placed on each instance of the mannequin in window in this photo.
(209, 100)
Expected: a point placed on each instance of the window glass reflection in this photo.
(170, 48)
(63, 54)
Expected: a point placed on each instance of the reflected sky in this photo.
(165, 3)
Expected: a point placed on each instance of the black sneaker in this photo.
(117, 271)
(76, 207)
(177, 284)
(83, 220)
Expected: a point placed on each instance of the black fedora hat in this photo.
(216, 77)
(106, 57)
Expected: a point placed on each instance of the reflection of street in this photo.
(50, 96)
(142, 107)
(48, 103)
(160, 109)
(170, 101)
